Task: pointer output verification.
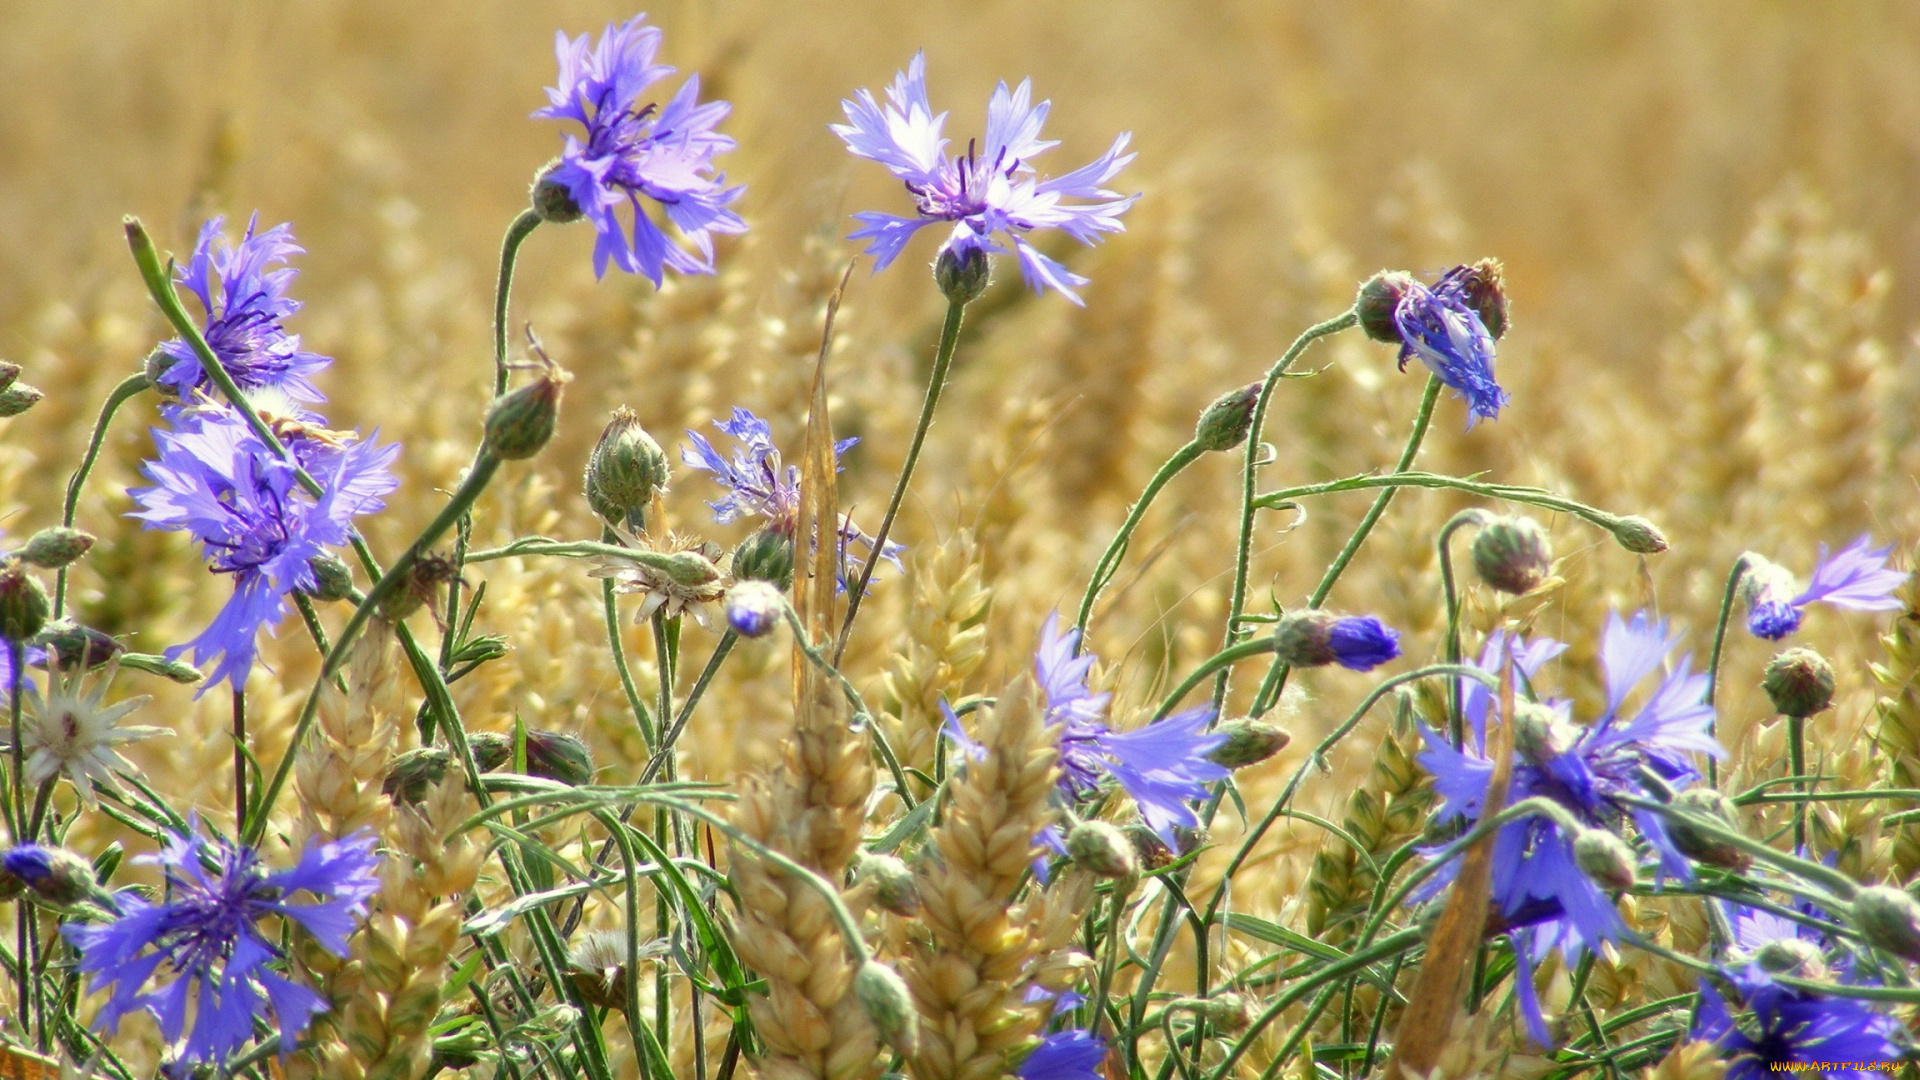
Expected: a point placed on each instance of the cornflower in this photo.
(1541, 895)
(1441, 327)
(1065, 1055)
(989, 191)
(217, 481)
(664, 155)
(758, 485)
(245, 303)
(207, 936)
(1856, 577)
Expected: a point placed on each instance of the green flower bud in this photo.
(551, 199)
(1799, 682)
(1889, 919)
(893, 885)
(1540, 732)
(332, 578)
(1605, 858)
(1102, 850)
(767, 555)
(23, 603)
(1249, 742)
(1513, 554)
(55, 547)
(1484, 288)
(1225, 423)
(9, 371)
(491, 749)
(522, 421)
(1698, 844)
(18, 398)
(564, 759)
(157, 363)
(1379, 298)
(884, 996)
(1792, 956)
(73, 645)
(479, 650)
(624, 471)
(1639, 535)
(1229, 1013)
(413, 772)
(962, 278)
(57, 877)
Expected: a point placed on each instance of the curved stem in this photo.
(942, 360)
(240, 759)
(1734, 575)
(1456, 723)
(129, 387)
(517, 233)
(1109, 563)
(1225, 658)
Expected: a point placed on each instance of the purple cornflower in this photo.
(1856, 577)
(989, 190)
(759, 486)
(216, 480)
(1540, 892)
(662, 154)
(244, 302)
(206, 934)
(1315, 637)
(1065, 1055)
(1791, 1026)
(1440, 326)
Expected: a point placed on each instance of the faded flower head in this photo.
(204, 944)
(245, 301)
(73, 732)
(685, 582)
(215, 480)
(990, 194)
(662, 155)
(1441, 327)
(1856, 577)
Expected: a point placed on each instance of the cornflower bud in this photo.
(18, 398)
(1100, 849)
(55, 547)
(1513, 554)
(1889, 919)
(767, 555)
(55, 875)
(73, 645)
(1639, 535)
(1605, 858)
(9, 371)
(1225, 423)
(1312, 637)
(625, 469)
(551, 199)
(1540, 733)
(1379, 298)
(893, 886)
(1484, 288)
(522, 420)
(421, 586)
(562, 758)
(1698, 844)
(962, 278)
(413, 772)
(1799, 682)
(1792, 956)
(490, 749)
(332, 577)
(1248, 742)
(884, 996)
(754, 607)
(1229, 1013)
(1152, 852)
(23, 603)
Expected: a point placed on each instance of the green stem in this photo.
(672, 736)
(240, 759)
(1734, 575)
(1243, 553)
(610, 607)
(517, 233)
(942, 360)
(1109, 563)
(1386, 948)
(1225, 658)
(1797, 761)
(1456, 721)
(131, 386)
(1530, 496)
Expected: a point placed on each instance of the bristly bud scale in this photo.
(1102, 850)
(1513, 554)
(754, 607)
(551, 199)
(1699, 844)
(55, 547)
(522, 420)
(884, 995)
(766, 555)
(18, 398)
(1379, 298)
(1314, 637)
(1225, 423)
(1638, 535)
(23, 603)
(625, 470)
(892, 881)
(964, 276)
(9, 371)
(332, 577)
(1483, 286)
(557, 756)
(1605, 858)
(73, 645)
(1799, 682)
(1249, 742)
(1889, 919)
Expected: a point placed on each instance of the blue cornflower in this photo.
(207, 936)
(759, 486)
(216, 480)
(1440, 326)
(1065, 1055)
(662, 154)
(1315, 637)
(989, 190)
(1540, 892)
(245, 303)
(1856, 577)
(1791, 1026)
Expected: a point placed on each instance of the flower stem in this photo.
(1456, 722)
(1243, 554)
(240, 759)
(517, 233)
(1109, 563)
(1734, 575)
(131, 386)
(17, 822)
(942, 360)
(1797, 761)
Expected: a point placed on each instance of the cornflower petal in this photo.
(1856, 577)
